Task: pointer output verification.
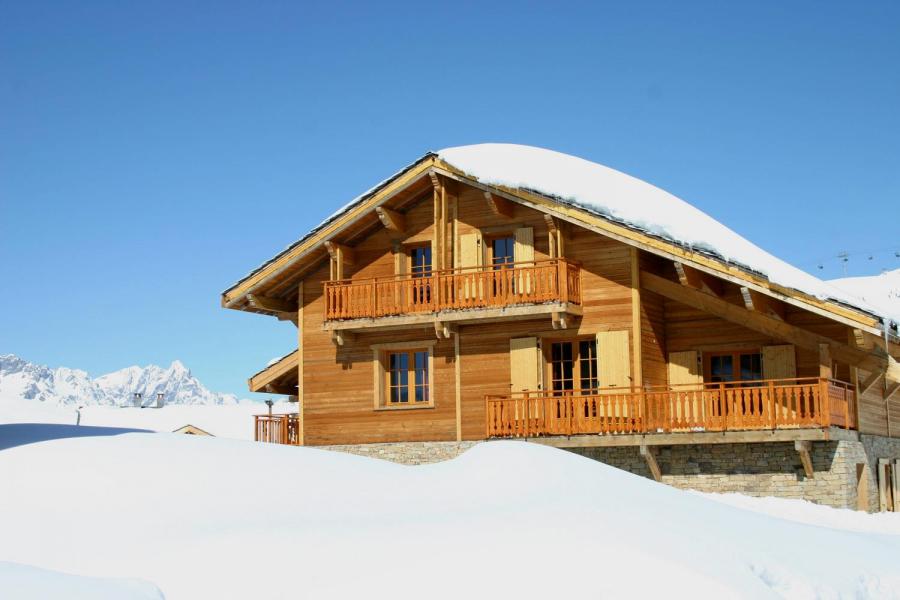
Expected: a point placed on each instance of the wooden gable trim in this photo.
(262, 381)
(234, 295)
(671, 251)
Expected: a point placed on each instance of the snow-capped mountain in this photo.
(63, 386)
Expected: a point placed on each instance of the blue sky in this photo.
(153, 153)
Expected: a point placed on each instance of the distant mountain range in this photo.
(64, 386)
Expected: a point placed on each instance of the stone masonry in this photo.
(757, 469)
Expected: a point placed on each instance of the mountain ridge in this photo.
(65, 386)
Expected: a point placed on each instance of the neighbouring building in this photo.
(500, 291)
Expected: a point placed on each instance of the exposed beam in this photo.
(287, 390)
(501, 207)
(443, 330)
(649, 455)
(761, 323)
(891, 391)
(339, 338)
(391, 219)
(868, 382)
(340, 252)
(275, 305)
(804, 449)
(558, 320)
(698, 280)
(762, 304)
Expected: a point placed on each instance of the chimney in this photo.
(160, 399)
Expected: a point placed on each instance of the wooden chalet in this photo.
(450, 303)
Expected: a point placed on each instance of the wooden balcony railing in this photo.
(554, 280)
(770, 404)
(277, 429)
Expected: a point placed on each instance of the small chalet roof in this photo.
(615, 197)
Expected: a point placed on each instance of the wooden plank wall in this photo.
(653, 328)
(338, 392)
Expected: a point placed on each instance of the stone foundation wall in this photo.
(764, 469)
(407, 453)
(761, 469)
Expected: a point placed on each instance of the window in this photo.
(420, 268)
(573, 367)
(403, 377)
(733, 366)
(502, 252)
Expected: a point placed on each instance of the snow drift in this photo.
(210, 518)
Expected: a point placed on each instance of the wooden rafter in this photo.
(759, 322)
(499, 206)
(275, 305)
(762, 304)
(391, 219)
(868, 382)
(340, 252)
(698, 280)
(804, 449)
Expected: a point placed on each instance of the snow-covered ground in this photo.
(230, 421)
(214, 518)
(23, 582)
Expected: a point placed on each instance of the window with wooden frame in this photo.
(572, 366)
(403, 375)
(501, 251)
(737, 366)
(420, 268)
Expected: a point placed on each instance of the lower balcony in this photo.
(518, 289)
(277, 428)
(718, 407)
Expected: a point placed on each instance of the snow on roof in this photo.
(617, 197)
(625, 199)
(881, 291)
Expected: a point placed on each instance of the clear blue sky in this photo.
(153, 153)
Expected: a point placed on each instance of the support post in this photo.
(804, 449)
(648, 454)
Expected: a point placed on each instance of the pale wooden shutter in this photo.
(470, 256)
(523, 253)
(779, 362)
(524, 364)
(684, 368)
(614, 368)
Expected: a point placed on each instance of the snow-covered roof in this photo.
(625, 199)
(881, 291)
(619, 198)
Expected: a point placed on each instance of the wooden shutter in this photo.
(524, 364)
(684, 368)
(779, 362)
(469, 250)
(524, 245)
(614, 368)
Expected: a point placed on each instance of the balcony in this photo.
(554, 285)
(718, 407)
(277, 429)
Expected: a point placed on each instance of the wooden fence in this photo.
(554, 280)
(770, 404)
(277, 429)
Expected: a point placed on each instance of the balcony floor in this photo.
(812, 434)
(457, 316)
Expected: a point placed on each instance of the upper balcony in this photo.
(454, 295)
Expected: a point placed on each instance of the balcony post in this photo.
(562, 278)
(824, 403)
(771, 403)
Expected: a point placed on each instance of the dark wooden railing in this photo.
(277, 429)
(769, 404)
(554, 280)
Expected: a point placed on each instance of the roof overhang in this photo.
(280, 377)
(310, 251)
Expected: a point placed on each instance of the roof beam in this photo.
(274, 305)
(500, 207)
(761, 323)
(762, 304)
(391, 219)
(698, 280)
(340, 252)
